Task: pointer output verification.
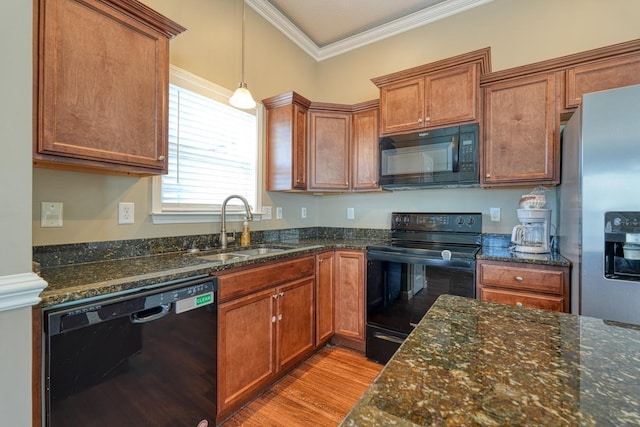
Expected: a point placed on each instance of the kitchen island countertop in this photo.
(474, 363)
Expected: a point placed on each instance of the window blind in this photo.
(212, 153)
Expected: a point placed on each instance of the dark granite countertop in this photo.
(474, 363)
(71, 283)
(501, 253)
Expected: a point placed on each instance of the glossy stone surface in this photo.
(474, 363)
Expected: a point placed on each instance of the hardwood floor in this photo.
(320, 392)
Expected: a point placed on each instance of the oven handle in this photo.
(389, 338)
(380, 255)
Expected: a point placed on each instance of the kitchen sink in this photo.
(242, 254)
(259, 251)
(225, 257)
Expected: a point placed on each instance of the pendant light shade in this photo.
(242, 98)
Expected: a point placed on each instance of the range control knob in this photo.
(459, 220)
(470, 221)
(617, 221)
(407, 219)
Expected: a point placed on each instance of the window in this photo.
(213, 153)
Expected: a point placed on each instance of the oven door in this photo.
(401, 289)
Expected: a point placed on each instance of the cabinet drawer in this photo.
(534, 278)
(233, 285)
(522, 299)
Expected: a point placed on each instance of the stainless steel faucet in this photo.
(223, 228)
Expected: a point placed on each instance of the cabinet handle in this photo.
(161, 158)
(519, 279)
(519, 304)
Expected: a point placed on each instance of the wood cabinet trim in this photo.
(480, 56)
(556, 64)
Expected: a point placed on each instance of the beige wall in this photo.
(518, 32)
(15, 192)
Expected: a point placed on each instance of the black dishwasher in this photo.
(144, 359)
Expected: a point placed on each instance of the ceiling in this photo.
(326, 28)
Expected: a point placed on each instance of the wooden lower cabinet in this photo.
(349, 287)
(264, 333)
(524, 285)
(324, 297)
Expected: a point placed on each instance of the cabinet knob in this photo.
(488, 175)
(420, 120)
(273, 319)
(321, 260)
(281, 294)
(519, 304)
(161, 158)
(298, 180)
(426, 119)
(279, 316)
(518, 279)
(275, 296)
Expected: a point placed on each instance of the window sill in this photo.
(198, 217)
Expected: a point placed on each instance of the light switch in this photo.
(51, 214)
(351, 213)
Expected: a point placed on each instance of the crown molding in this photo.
(400, 25)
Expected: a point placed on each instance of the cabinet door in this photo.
(452, 96)
(601, 75)
(100, 105)
(349, 297)
(324, 297)
(364, 151)
(295, 322)
(286, 148)
(246, 354)
(521, 142)
(329, 151)
(402, 106)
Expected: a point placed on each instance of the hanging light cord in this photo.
(242, 48)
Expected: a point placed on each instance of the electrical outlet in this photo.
(351, 213)
(266, 212)
(125, 213)
(278, 212)
(495, 214)
(51, 214)
(303, 213)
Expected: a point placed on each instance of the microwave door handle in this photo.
(455, 144)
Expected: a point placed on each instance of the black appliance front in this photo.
(446, 157)
(400, 292)
(147, 359)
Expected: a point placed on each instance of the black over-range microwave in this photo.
(446, 157)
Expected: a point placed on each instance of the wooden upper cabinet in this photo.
(329, 141)
(601, 75)
(438, 94)
(365, 162)
(312, 146)
(102, 86)
(521, 132)
(286, 153)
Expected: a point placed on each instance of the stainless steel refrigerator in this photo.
(599, 202)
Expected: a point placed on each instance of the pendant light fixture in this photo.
(242, 98)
